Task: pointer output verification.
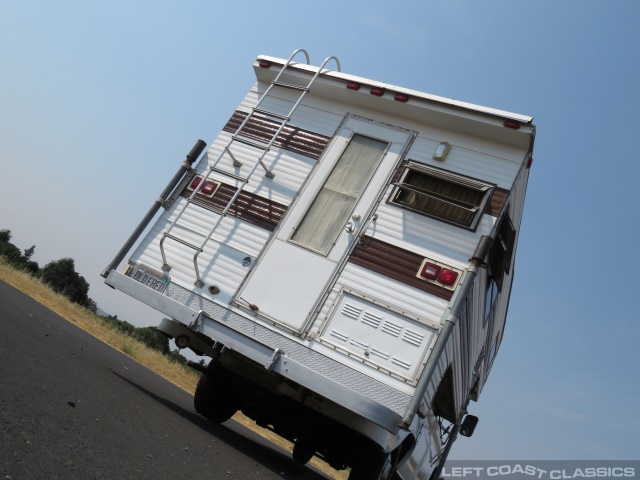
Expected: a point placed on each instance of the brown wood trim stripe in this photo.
(292, 138)
(256, 210)
(396, 263)
(498, 199)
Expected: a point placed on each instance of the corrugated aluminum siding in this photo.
(220, 264)
(396, 263)
(428, 236)
(290, 169)
(469, 348)
(466, 161)
(259, 211)
(516, 204)
(322, 121)
(292, 138)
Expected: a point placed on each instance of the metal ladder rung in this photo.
(291, 85)
(271, 114)
(206, 206)
(228, 174)
(251, 143)
(179, 240)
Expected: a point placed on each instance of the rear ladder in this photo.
(238, 137)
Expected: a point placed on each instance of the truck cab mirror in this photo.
(468, 425)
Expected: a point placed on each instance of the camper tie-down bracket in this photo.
(277, 353)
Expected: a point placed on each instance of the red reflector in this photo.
(447, 277)
(208, 188)
(512, 124)
(401, 97)
(353, 86)
(265, 64)
(378, 92)
(530, 161)
(430, 271)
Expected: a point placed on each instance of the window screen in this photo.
(449, 197)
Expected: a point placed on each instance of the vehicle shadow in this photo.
(267, 454)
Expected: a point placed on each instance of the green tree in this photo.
(28, 253)
(16, 258)
(5, 236)
(61, 276)
(152, 338)
(11, 253)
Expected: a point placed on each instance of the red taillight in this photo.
(530, 161)
(353, 86)
(377, 91)
(401, 97)
(430, 271)
(447, 277)
(265, 64)
(207, 189)
(512, 124)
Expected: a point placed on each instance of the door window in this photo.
(332, 207)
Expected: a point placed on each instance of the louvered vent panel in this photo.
(379, 337)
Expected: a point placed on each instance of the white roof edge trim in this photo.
(414, 93)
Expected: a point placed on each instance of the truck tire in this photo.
(303, 451)
(214, 398)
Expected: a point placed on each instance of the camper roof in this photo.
(327, 73)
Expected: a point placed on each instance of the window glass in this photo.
(331, 209)
(490, 301)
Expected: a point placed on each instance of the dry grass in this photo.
(183, 377)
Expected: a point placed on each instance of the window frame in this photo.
(502, 251)
(443, 175)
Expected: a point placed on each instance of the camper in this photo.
(343, 254)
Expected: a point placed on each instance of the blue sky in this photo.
(100, 102)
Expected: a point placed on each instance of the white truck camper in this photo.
(343, 251)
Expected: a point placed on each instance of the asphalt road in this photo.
(72, 407)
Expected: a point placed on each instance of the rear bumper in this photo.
(358, 393)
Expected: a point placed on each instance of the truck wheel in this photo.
(214, 398)
(303, 450)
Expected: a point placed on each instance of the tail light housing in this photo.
(430, 271)
(447, 277)
(208, 189)
(439, 274)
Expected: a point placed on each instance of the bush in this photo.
(62, 277)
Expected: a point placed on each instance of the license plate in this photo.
(152, 279)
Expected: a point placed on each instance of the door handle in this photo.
(349, 227)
